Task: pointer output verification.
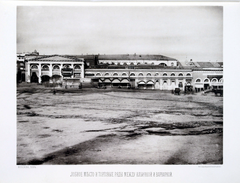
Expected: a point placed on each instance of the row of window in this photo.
(141, 74)
(138, 63)
(55, 67)
(214, 80)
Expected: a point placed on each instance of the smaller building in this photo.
(206, 74)
(53, 68)
(20, 67)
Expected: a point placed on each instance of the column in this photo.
(28, 73)
(39, 73)
(50, 73)
(184, 84)
(73, 70)
(50, 70)
(82, 70)
(145, 80)
(61, 66)
(161, 84)
(177, 82)
(157, 81)
(169, 84)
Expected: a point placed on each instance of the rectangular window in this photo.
(77, 75)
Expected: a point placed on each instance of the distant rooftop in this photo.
(202, 64)
(134, 57)
(92, 58)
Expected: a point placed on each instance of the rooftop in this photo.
(202, 64)
(134, 57)
(52, 58)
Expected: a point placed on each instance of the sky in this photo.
(181, 32)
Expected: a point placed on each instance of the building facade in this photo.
(135, 71)
(49, 68)
(162, 79)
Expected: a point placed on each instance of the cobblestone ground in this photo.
(117, 126)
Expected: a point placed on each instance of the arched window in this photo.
(132, 74)
(164, 74)
(106, 74)
(77, 67)
(188, 74)
(45, 68)
(140, 74)
(172, 74)
(66, 66)
(34, 67)
(180, 74)
(56, 67)
(124, 74)
(198, 80)
(98, 74)
(221, 80)
(214, 80)
(124, 63)
(148, 74)
(115, 74)
(206, 80)
(156, 74)
(131, 63)
(152, 63)
(163, 64)
(172, 64)
(138, 63)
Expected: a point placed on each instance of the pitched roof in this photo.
(54, 58)
(201, 64)
(30, 57)
(205, 64)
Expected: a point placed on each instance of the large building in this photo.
(135, 71)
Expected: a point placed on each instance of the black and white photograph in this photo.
(119, 92)
(119, 85)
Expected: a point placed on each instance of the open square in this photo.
(117, 126)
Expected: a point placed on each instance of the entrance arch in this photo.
(45, 78)
(157, 85)
(150, 85)
(34, 77)
(141, 85)
(116, 82)
(165, 85)
(206, 84)
(173, 84)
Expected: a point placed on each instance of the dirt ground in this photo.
(117, 126)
